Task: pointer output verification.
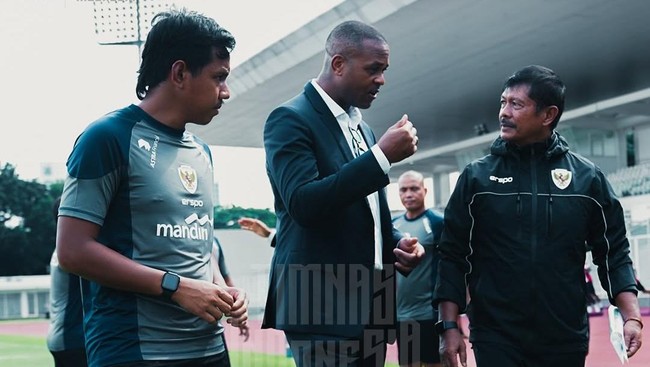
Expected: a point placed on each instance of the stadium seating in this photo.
(631, 181)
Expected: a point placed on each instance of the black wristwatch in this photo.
(169, 284)
(441, 326)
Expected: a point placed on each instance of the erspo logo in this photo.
(501, 180)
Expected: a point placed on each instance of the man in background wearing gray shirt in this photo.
(417, 341)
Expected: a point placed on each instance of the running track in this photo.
(272, 341)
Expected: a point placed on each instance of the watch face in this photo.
(170, 282)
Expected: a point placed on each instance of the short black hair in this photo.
(347, 37)
(180, 35)
(545, 88)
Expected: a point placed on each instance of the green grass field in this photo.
(29, 351)
(24, 351)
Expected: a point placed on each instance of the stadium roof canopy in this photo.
(449, 59)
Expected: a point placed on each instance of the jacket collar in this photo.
(555, 145)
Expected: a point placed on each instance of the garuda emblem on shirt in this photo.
(188, 178)
(561, 178)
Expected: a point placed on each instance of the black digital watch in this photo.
(441, 326)
(169, 284)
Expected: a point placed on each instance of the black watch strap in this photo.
(442, 326)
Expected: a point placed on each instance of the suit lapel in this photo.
(328, 120)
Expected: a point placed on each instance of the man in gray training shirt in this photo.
(417, 341)
(136, 217)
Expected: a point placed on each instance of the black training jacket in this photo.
(517, 229)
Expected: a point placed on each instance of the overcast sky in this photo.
(58, 79)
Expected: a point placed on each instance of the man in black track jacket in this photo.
(516, 232)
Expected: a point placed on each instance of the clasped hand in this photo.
(211, 302)
(409, 253)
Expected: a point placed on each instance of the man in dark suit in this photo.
(332, 277)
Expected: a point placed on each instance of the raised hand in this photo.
(255, 225)
(399, 141)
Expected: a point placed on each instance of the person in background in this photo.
(515, 232)
(136, 216)
(222, 275)
(328, 174)
(640, 286)
(258, 227)
(65, 334)
(593, 301)
(415, 313)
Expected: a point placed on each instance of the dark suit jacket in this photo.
(321, 278)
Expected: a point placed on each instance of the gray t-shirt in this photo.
(415, 292)
(65, 331)
(149, 187)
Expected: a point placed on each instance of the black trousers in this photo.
(310, 350)
(366, 350)
(70, 358)
(503, 355)
(217, 360)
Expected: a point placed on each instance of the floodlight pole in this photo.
(137, 21)
(138, 41)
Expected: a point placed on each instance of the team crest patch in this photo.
(188, 178)
(561, 178)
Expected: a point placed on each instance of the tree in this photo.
(27, 226)
(227, 217)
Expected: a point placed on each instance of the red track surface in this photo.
(272, 342)
(601, 351)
